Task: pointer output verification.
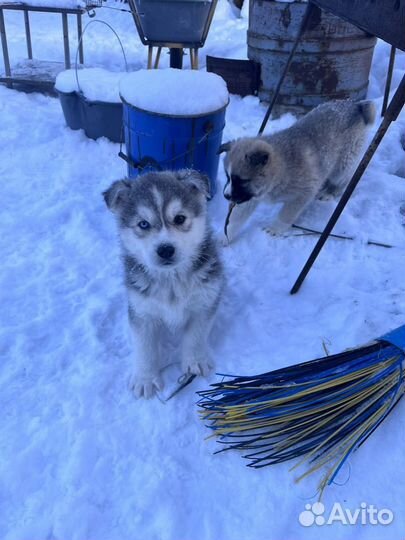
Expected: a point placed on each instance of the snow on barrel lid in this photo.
(97, 84)
(174, 91)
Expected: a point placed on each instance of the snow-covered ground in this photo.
(80, 458)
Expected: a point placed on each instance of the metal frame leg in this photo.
(80, 38)
(66, 40)
(157, 59)
(311, 8)
(4, 46)
(388, 81)
(391, 114)
(196, 58)
(28, 33)
(150, 56)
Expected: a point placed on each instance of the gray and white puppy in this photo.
(172, 271)
(314, 158)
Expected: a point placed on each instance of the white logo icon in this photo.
(314, 514)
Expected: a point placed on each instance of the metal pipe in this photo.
(28, 33)
(390, 116)
(196, 58)
(157, 59)
(310, 9)
(389, 79)
(79, 38)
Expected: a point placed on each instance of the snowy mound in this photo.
(96, 84)
(174, 91)
(68, 4)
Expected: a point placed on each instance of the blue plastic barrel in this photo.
(158, 141)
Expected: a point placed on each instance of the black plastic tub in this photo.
(96, 118)
(176, 21)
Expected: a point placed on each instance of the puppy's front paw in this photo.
(277, 228)
(146, 386)
(198, 366)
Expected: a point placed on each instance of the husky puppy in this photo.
(172, 271)
(314, 158)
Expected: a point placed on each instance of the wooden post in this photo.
(4, 47)
(66, 40)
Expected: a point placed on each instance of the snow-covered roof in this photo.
(174, 91)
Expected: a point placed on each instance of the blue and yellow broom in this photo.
(318, 411)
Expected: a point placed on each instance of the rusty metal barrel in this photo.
(332, 60)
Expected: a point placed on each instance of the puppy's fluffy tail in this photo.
(367, 111)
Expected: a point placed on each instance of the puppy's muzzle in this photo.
(166, 253)
(236, 190)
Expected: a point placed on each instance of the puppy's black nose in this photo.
(166, 251)
(227, 196)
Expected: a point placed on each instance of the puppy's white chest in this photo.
(165, 302)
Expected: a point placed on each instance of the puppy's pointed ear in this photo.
(196, 179)
(116, 194)
(258, 158)
(225, 147)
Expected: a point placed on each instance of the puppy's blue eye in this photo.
(179, 219)
(144, 225)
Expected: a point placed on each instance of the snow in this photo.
(48, 3)
(186, 92)
(96, 84)
(80, 459)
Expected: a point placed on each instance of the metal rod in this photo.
(157, 59)
(80, 38)
(150, 56)
(66, 40)
(339, 237)
(390, 116)
(28, 33)
(4, 46)
(389, 79)
(304, 23)
(313, 231)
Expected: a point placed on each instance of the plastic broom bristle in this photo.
(317, 412)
